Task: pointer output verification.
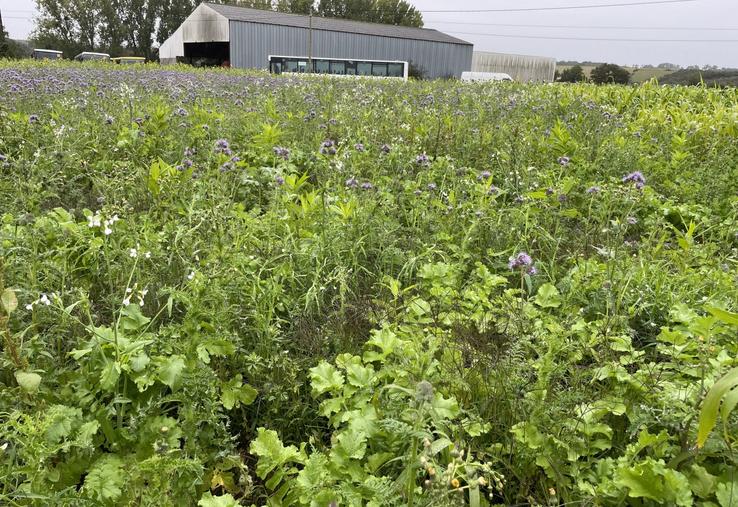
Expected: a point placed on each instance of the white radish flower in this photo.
(191, 275)
(44, 300)
(127, 301)
(133, 253)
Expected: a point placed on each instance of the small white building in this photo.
(522, 68)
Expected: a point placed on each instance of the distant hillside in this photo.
(727, 77)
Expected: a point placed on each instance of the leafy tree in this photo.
(4, 46)
(609, 73)
(573, 74)
(394, 12)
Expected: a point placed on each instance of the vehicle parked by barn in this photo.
(90, 55)
(47, 54)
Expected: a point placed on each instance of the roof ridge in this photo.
(216, 7)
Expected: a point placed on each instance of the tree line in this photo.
(137, 27)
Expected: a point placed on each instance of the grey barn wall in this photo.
(252, 43)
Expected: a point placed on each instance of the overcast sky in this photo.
(694, 20)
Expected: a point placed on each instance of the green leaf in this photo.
(724, 316)
(105, 480)
(109, 376)
(548, 296)
(132, 319)
(234, 393)
(208, 500)
(170, 370)
(28, 381)
(210, 348)
(325, 377)
(272, 453)
(527, 433)
(727, 494)
(9, 301)
(446, 408)
(711, 405)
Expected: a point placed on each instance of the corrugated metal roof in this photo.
(234, 13)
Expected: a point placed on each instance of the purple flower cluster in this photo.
(359, 147)
(432, 186)
(564, 161)
(33, 119)
(637, 178)
(386, 148)
(282, 152)
(352, 182)
(522, 262)
(279, 180)
(493, 190)
(593, 190)
(222, 146)
(484, 175)
(328, 147)
(422, 159)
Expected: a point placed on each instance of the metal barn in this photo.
(246, 38)
(522, 68)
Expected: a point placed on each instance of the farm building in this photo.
(521, 68)
(247, 38)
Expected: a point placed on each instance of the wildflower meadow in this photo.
(223, 288)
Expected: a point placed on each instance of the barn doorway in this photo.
(207, 54)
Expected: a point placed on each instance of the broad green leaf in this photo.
(28, 381)
(208, 500)
(324, 378)
(234, 393)
(724, 316)
(9, 301)
(170, 370)
(104, 481)
(109, 376)
(527, 433)
(727, 494)
(446, 408)
(548, 296)
(711, 405)
(272, 453)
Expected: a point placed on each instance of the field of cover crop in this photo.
(224, 289)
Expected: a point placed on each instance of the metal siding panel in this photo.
(252, 43)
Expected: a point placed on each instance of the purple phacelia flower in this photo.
(549, 191)
(235, 159)
(422, 159)
(279, 180)
(432, 186)
(564, 161)
(222, 146)
(108, 120)
(138, 121)
(484, 175)
(593, 190)
(418, 192)
(493, 190)
(386, 148)
(187, 163)
(519, 199)
(637, 178)
(181, 112)
(328, 147)
(33, 119)
(522, 260)
(189, 152)
(532, 271)
(367, 186)
(359, 147)
(631, 220)
(282, 152)
(563, 198)
(352, 182)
